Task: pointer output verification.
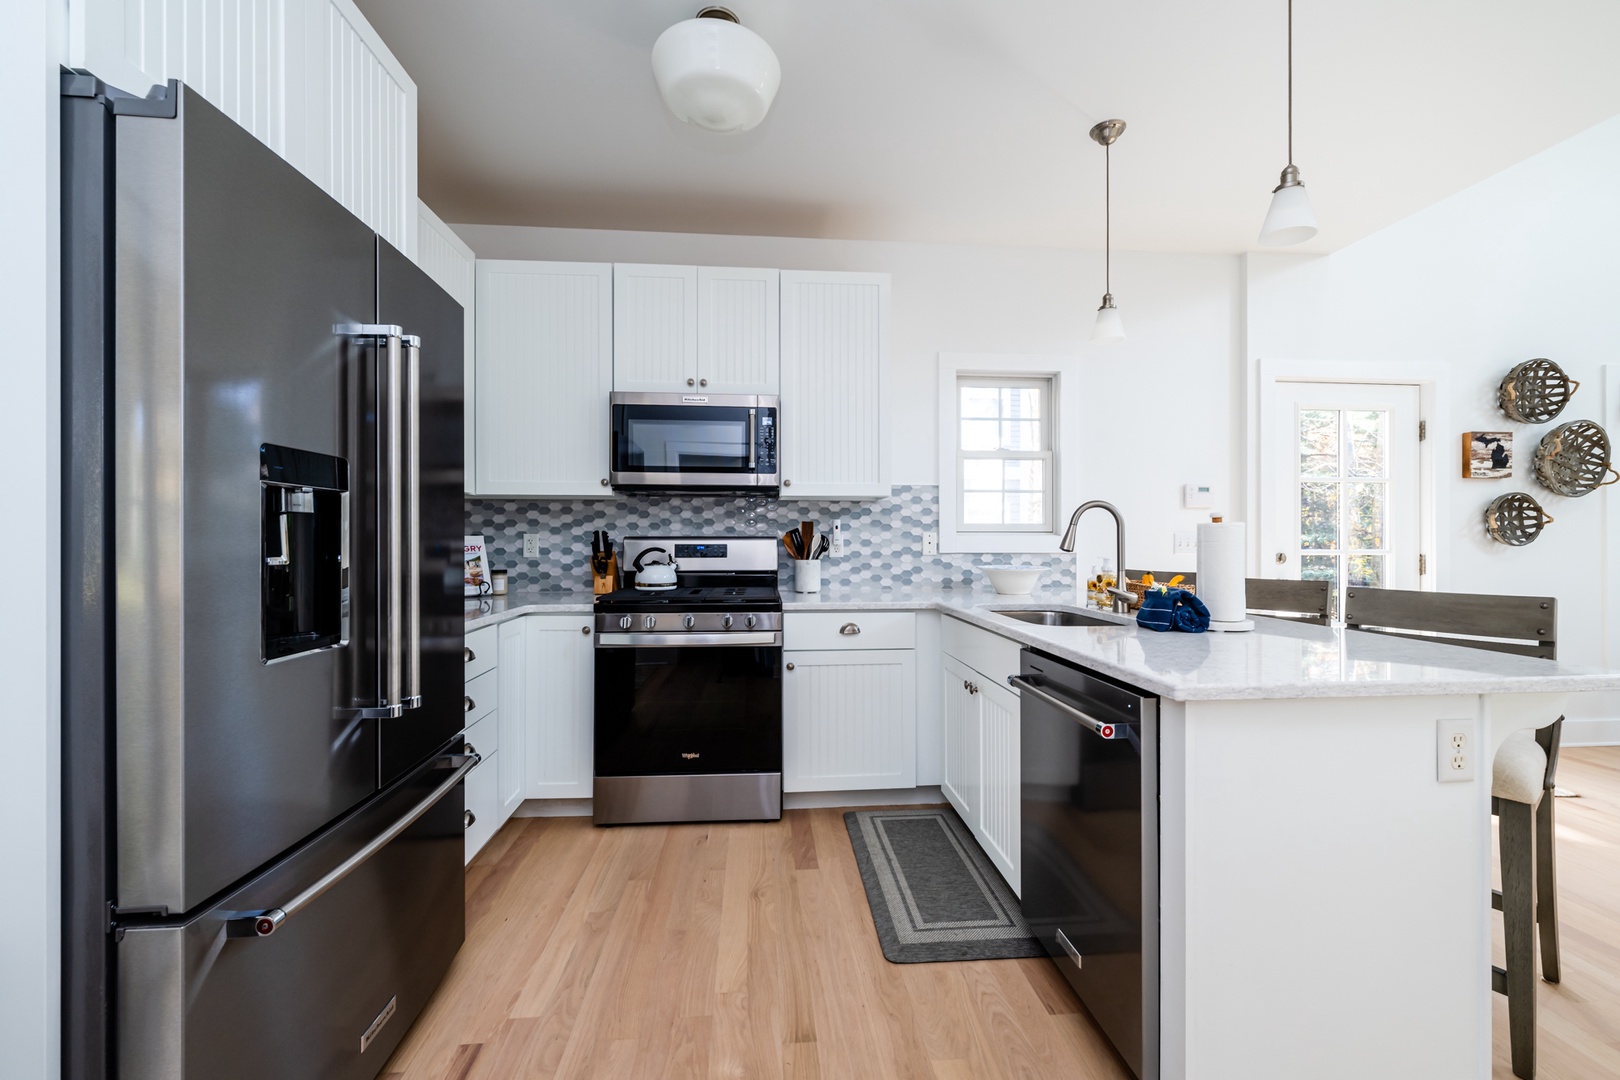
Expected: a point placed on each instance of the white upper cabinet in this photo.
(738, 330)
(835, 377)
(703, 329)
(310, 78)
(450, 262)
(655, 327)
(543, 373)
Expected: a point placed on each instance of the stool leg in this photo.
(1518, 843)
(1547, 889)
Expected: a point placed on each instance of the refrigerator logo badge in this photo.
(378, 1024)
(691, 399)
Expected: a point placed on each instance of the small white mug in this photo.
(806, 575)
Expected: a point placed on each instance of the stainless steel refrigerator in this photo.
(262, 522)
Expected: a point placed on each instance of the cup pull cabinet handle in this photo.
(468, 819)
(467, 655)
(849, 629)
(468, 704)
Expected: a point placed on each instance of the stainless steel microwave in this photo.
(695, 442)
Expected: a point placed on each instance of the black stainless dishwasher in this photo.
(1090, 843)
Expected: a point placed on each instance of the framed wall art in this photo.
(1487, 455)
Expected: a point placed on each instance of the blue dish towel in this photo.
(1172, 609)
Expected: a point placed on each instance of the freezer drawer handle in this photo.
(1068, 947)
(1102, 728)
(264, 923)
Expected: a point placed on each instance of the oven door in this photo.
(688, 732)
(704, 442)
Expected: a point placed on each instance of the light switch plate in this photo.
(1186, 542)
(1455, 751)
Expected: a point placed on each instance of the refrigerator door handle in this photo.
(410, 580)
(262, 924)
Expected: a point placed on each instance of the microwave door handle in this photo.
(753, 445)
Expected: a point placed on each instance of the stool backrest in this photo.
(1526, 625)
(1301, 601)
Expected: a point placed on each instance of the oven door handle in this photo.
(681, 641)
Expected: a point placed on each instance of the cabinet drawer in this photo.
(480, 696)
(824, 630)
(482, 646)
(991, 655)
(484, 736)
(483, 799)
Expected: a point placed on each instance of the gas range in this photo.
(722, 586)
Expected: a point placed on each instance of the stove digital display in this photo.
(700, 551)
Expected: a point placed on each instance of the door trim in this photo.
(1431, 379)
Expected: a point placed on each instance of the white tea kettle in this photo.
(658, 575)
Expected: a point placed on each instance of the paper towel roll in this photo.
(1222, 575)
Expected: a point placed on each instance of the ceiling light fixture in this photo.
(1110, 327)
(716, 73)
(1290, 219)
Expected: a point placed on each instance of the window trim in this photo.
(1063, 487)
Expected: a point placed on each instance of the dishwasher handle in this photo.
(1103, 729)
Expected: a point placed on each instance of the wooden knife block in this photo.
(608, 582)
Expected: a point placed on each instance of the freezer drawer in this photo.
(332, 990)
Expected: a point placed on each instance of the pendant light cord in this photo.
(1290, 82)
(1108, 216)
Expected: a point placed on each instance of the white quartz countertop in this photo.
(1278, 659)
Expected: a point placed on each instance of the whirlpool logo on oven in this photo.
(690, 757)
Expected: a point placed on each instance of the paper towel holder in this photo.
(1216, 625)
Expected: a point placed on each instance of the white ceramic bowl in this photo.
(1013, 580)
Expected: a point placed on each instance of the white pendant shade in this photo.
(1110, 327)
(1290, 219)
(716, 74)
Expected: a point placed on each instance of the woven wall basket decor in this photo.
(1535, 391)
(1515, 519)
(1573, 459)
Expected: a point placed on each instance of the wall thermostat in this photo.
(1197, 496)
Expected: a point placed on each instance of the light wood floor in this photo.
(720, 951)
(1578, 1026)
(748, 951)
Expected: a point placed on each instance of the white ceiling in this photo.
(964, 121)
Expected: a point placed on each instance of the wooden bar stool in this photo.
(1523, 775)
(1282, 598)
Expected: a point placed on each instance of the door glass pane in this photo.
(979, 401)
(1323, 568)
(1318, 442)
(1366, 570)
(981, 435)
(1319, 516)
(1368, 443)
(1366, 505)
(981, 509)
(981, 474)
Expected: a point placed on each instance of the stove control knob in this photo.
(750, 621)
(689, 622)
(624, 622)
(725, 622)
(650, 622)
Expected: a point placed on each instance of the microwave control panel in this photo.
(765, 441)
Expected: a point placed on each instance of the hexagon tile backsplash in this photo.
(882, 537)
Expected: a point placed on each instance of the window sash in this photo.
(1045, 454)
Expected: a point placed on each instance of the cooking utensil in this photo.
(807, 532)
(822, 545)
(790, 540)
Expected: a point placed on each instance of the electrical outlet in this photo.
(837, 545)
(531, 545)
(1186, 542)
(930, 543)
(1454, 751)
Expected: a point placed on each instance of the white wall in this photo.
(1182, 315)
(1522, 265)
(32, 45)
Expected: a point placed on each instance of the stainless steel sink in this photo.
(1055, 618)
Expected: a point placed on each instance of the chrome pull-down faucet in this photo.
(1121, 597)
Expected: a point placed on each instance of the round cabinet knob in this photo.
(703, 382)
(467, 704)
(624, 622)
(585, 630)
(1281, 557)
(790, 666)
(689, 382)
(689, 622)
(725, 622)
(467, 819)
(604, 481)
(649, 622)
(750, 621)
(787, 483)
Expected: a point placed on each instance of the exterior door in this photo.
(1341, 486)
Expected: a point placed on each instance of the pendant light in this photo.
(1110, 327)
(716, 73)
(1290, 219)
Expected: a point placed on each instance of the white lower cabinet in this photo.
(849, 720)
(560, 695)
(980, 773)
(484, 708)
(483, 815)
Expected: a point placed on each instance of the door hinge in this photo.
(1423, 565)
(1423, 430)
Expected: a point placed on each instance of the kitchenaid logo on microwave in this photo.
(692, 399)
